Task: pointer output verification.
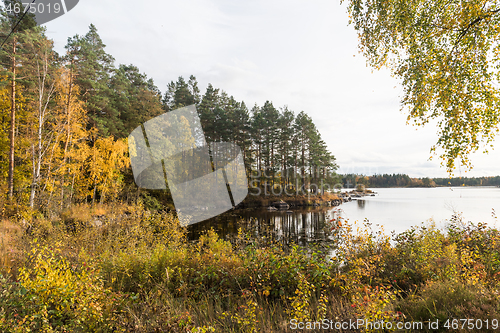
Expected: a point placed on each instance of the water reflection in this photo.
(302, 226)
(396, 209)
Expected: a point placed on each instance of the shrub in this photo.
(479, 248)
(52, 293)
(375, 304)
(423, 254)
(450, 300)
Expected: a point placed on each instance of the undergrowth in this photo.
(128, 269)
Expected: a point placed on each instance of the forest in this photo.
(403, 180)
(81, 250)
(65, 120)
(385, 180)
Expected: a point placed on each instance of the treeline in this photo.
(403, 180)
(280, 149)
(64, 122)
(465, 181)
(55, 143)
(385, 180)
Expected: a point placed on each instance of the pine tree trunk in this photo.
(72, 189)
(95, 194)
(12, 122)
(271, 164)
(303, 162)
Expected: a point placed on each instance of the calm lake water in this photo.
(396, 209)
(399, 208)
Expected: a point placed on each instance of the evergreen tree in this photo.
(206, 111)
(135, 100)
(181, 93)
(303, 130)
(285, 124)
(257, 130)
(242, 133)
(87, 57)
(11, 56)
(270, 117)
(12, 25)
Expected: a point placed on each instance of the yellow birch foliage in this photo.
(100, 168)
(447, 57)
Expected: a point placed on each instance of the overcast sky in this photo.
(297, 53)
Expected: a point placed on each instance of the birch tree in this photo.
(447, 56)
(42, 128)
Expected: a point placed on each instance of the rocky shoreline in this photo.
(287, 202)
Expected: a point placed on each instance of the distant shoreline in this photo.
(436, 186)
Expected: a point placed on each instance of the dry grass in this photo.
(148, 278)
(9, 232)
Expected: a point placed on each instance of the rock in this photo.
(280, 205)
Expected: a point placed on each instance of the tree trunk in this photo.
(95, 193)
(72, 189)
(303, 162)
(12, 122)
(271, 164)
(33, 180)
(43, 142)
(38, 154)
(324, 177)
(68, 131)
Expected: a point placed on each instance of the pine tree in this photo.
(242, 136)
(87, 57)
(206, 111)
(270, 118)
(303, 128)
(257, 130)
(134, 99)
(285, 124)
(181, 93)
(11, 24)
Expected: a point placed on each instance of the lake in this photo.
(396, 209)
